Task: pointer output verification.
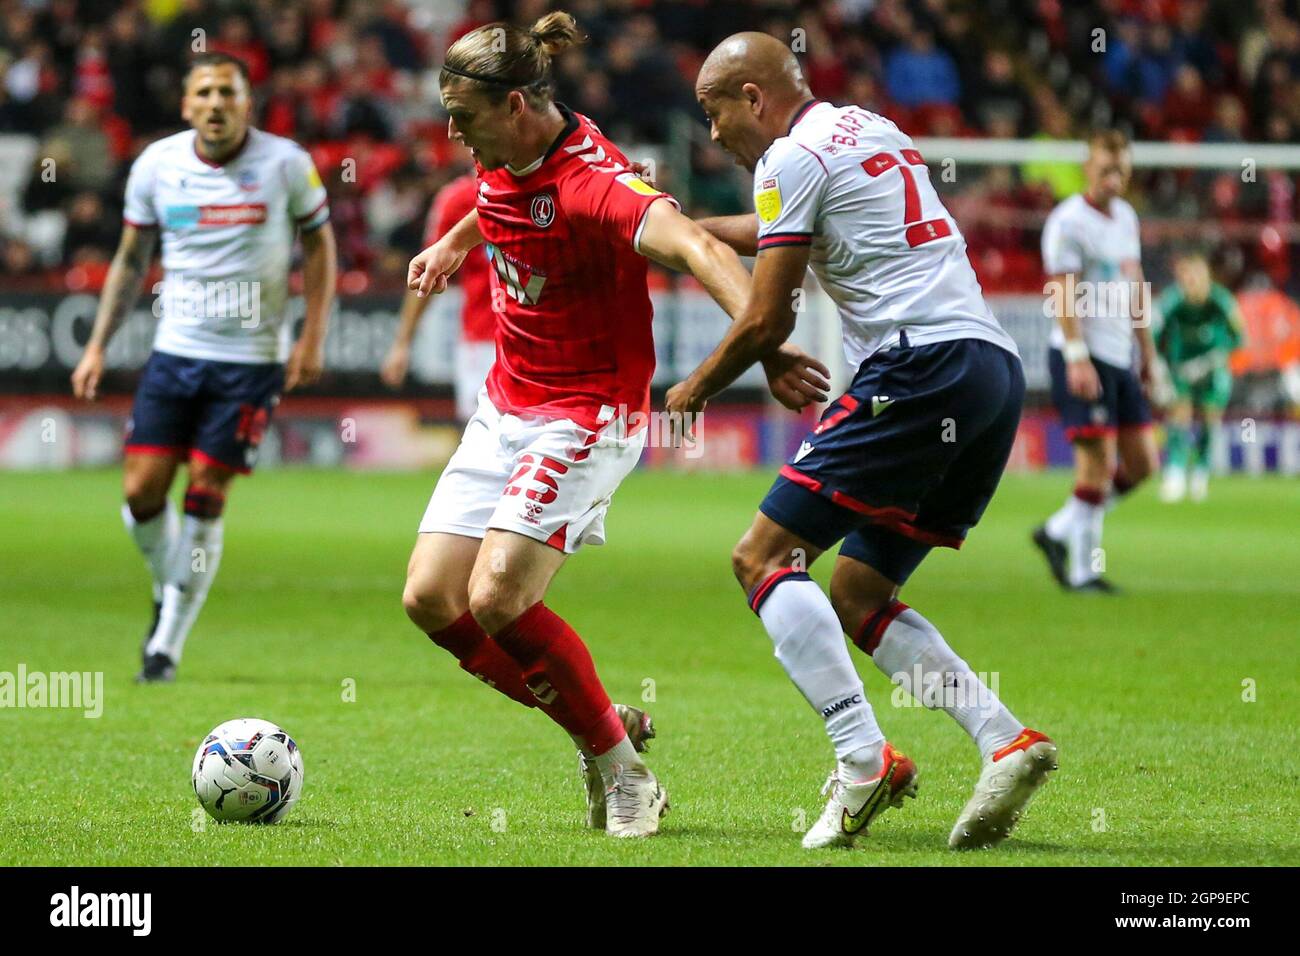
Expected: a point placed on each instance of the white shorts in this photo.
(473, 362)
(549, 479)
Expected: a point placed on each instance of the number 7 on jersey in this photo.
(918, 233)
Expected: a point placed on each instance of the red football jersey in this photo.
(453, 203)
(573, 332)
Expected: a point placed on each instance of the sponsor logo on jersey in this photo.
(767, 200)
(803, 451)
(240, 214)
(879, 403)
(542, 209)
(520, 281)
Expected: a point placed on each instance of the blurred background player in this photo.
(228, 200)
(567, 227)
(1092, 254)
(1200, 328)
(475, 346)
(906, 460)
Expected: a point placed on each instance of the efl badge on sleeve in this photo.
(638, 185)
(767, 200)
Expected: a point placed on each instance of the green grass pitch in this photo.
(1162, 760)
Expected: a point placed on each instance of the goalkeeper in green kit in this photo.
(1201, 326)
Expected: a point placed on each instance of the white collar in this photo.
(530, 168)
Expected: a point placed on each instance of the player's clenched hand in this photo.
(430, 270)
(393, 372)
(306, 363)
(795, 378)
(1082, 381)
(86, 376)
(683, 399)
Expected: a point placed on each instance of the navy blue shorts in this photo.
(908, 458)
(216, 411)
(1121, 405)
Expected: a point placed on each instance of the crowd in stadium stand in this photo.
(356, 80)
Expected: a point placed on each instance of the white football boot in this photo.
(852, 807)
(640, 730)
(634, 802)
(1198, 489)
(1174, 485)
(1007, 782)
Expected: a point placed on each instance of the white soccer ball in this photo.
(248, 771)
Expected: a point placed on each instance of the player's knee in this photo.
(145, 495)
(429, 608)
(210, 478)
(747, 563)
(494, 603)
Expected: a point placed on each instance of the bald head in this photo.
(750, 88)
(755, 58)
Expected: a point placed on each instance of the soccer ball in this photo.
(248, 771)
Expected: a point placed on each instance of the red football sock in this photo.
(1088, 495)
(483, 657)
(558, 669)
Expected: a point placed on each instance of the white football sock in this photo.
(1084, 541)
(155, 538)
(193, 565)
(913, 654)
(810, 646)
(1058, 525)
(619, 757)
(865, 763)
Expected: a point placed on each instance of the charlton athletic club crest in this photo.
(542, 210)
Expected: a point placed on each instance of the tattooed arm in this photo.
(121, 289)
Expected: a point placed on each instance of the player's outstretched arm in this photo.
(739, 232)
(668, 237)
(121, 289)
(430, 271)
(677, 242)
(763, 327)
(320, 276)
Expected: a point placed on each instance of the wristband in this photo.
(1075, 350)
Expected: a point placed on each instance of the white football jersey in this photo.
(1103, 250)
(227, 236)
(850, 184)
